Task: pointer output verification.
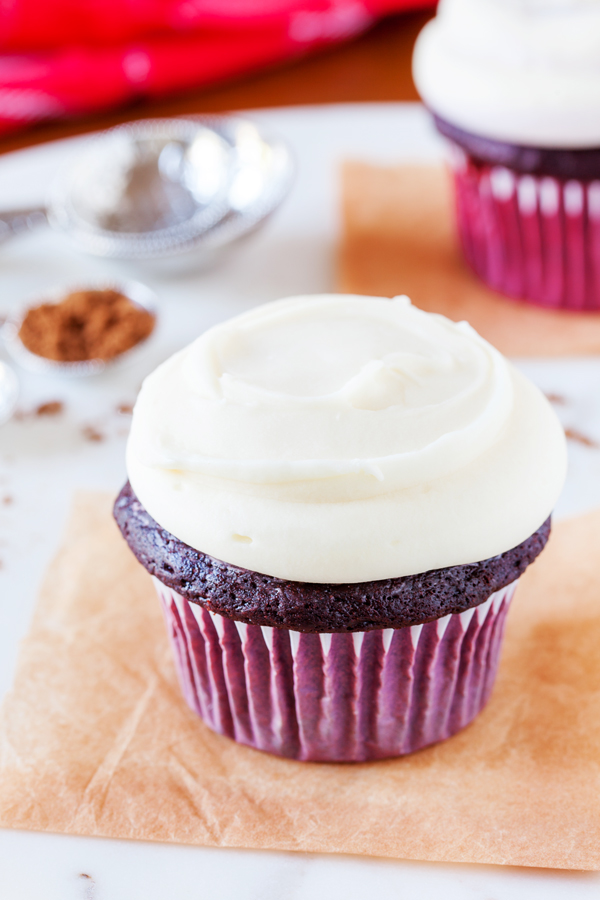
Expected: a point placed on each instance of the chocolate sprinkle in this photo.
(301, 606)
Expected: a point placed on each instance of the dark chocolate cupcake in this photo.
(329, 435)
(515, 89)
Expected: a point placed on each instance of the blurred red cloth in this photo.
(62, 58)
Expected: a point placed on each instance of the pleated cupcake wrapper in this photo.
(337, 697)
(533, 238)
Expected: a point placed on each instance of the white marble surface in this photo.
(43, 460)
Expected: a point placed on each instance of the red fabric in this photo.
(63, 58)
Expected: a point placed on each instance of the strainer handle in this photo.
(17, 221)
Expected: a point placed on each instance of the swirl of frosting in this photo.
(520, 71)
(341, 439)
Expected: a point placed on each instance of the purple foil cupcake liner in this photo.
(336, 697)
(535, 238)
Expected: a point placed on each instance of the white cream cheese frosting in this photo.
(521, 71)
(341, 439)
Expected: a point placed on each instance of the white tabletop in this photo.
(44, 459)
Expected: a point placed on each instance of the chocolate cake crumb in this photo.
(125, 409)
(51, 408)
(301, 606)
(92, 324)
(556, 398)
(92, 434)
(580, 438)
(7, 500)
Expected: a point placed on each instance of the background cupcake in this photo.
(336, 496)
(515, 86)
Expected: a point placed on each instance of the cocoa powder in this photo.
(92, 324)
(51, 408)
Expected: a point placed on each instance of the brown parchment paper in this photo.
(398, 237)
(95, 737)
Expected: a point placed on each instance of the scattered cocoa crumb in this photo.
(94, 324)
(92, 434)
(580, 438)
(51, 408)
(125, 409)
(556, 398)
(7, 500)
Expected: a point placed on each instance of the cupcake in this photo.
(336, 496)
(515, 87)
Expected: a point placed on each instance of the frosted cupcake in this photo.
(515, 86)
(336, 496)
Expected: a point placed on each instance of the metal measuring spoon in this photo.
(161, 187)
(139, 294)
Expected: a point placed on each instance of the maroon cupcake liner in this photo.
(535, 238)
(336, 697)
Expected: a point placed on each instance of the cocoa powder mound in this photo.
(93, 324)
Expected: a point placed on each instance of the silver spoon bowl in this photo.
(160, 188)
